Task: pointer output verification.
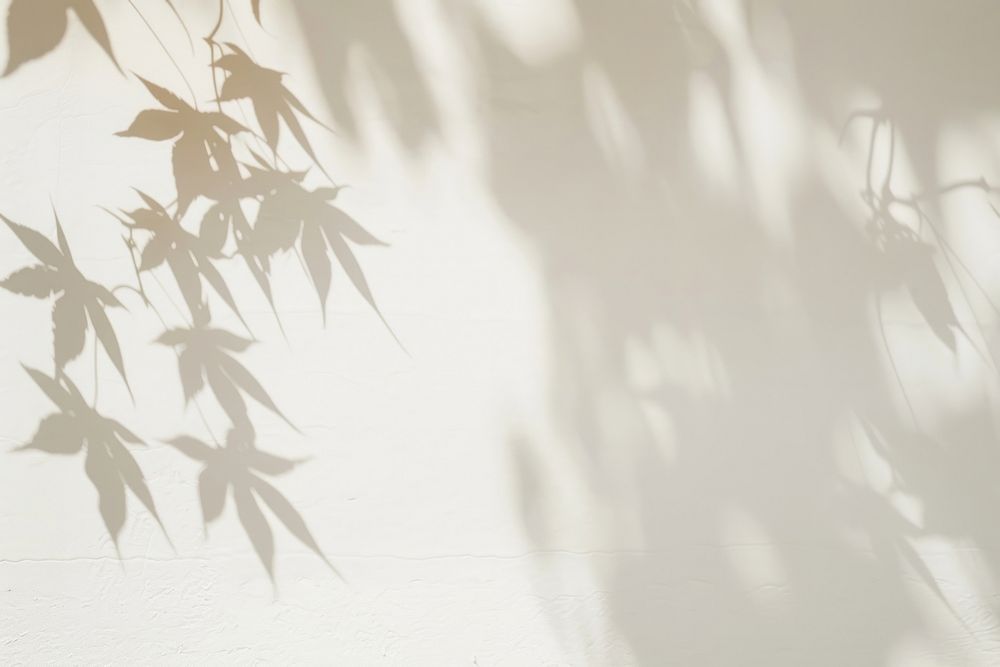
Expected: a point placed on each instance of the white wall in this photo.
(697, 302)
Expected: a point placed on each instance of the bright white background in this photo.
(664, 399)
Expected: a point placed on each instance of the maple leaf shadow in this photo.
(188, 256)
(225, 214)
(36, 27)
(205, 356)
(202, 159)
(271, 99)
(291, 216)
(108, 463)
(79, 300)
(238, 467)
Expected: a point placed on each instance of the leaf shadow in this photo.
(238, 468)
(188, 256)
(293, 217)
(205, 356)
(225, 216)
(36, 27)
(79, 300)
(109, 464)
(202, 159)
(272, 101)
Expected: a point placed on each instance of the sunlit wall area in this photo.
(478, 332)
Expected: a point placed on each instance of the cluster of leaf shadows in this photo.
(212, 158)
(658, 259)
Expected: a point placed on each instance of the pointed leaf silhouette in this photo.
(155, 125)
(317, 262)
(277, 226)
(269, 464)
(192, 379)
(227, 395)
(214, 229)
(336, 222)
(353, 270)
(154, 253)
(293, 124)
(94, 24)
(288, 210)
(192, 170)
(212, 481)
(242, 378)
(287, 514)
(235, 466)
(187, 255)
(108, 464)
(214, 278)
(39, 246)
(212, 489)
(164, 96)
(78, 293)
(224, 122)
(38, 281)
(57, 434)
(104, 296)
(186, 274)
(110, 488)
(154, 206)
(106, 334)
(204, 355)
(228, 340)
(61, 238)
(256, 527)
(201, 157)
(191, 447)
(53, 391)
(35, 27)
(124, 433)
(357, 277)
(131, 475)
(269, 96)
(69, 328)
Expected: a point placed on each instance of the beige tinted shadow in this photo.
(232, 169)
(796, 323)
(35, 27)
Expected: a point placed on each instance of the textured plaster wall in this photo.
(697, 331)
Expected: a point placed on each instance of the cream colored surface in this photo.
(698, 307)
